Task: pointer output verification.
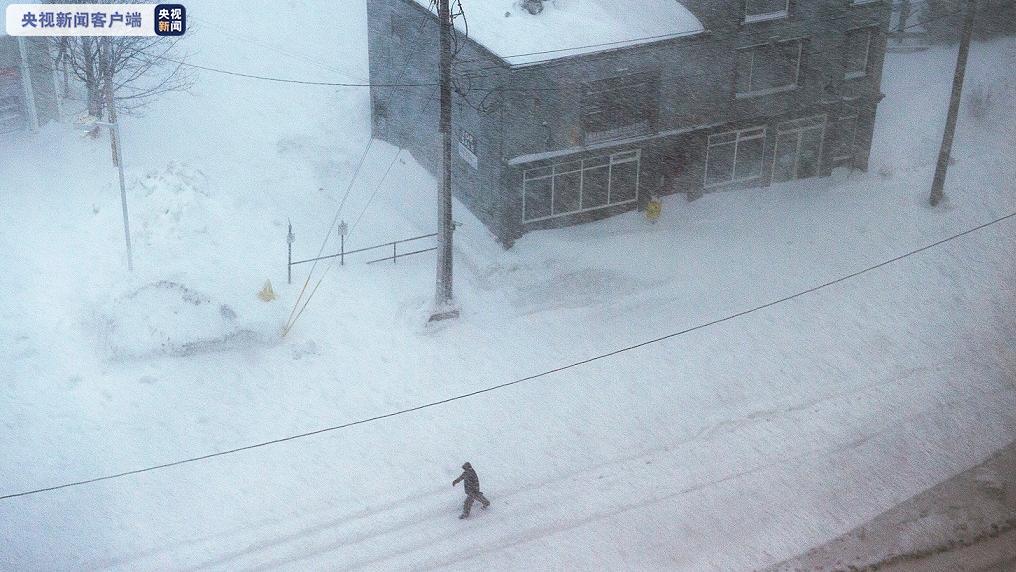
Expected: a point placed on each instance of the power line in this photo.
(516, 381)
(294, 313)
(293, 81)
(293, 318)
(713, 39)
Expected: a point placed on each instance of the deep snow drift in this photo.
(732, 447)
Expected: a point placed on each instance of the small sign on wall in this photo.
(467, 148)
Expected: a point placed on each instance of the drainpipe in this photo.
(26, 84)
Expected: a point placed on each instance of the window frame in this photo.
(856, 74)
(739, 136)
(616, 158)
(767, 16)
(799, 126)
(769, 90)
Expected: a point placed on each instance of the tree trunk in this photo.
(93, 89)
(106, 71)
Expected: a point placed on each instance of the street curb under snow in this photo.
(969, 510)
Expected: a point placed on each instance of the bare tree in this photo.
(124, 73)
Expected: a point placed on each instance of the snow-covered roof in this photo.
(570, 27)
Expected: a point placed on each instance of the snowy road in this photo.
(824, 457)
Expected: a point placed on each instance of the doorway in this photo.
(798, 148)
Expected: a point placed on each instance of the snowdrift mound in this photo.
(174, 207)
(168, 318)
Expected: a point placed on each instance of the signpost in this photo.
(89, 121)
(343, 229)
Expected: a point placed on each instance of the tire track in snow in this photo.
(419, 527)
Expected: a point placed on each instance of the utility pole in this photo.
(954, 105)
(443, 305)
(901, 26)
(114, 134)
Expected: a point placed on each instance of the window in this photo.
(618, 107)
(768, 68)
(577, 186)
(798, 148)
(856, 52)
(734, 156)
(844, 131)
(761, 10)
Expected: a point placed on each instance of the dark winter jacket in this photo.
(472, 482)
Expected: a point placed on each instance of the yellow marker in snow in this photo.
(267, 294)
(653, 209)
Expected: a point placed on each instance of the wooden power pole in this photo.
(954, 105)
(443, 305)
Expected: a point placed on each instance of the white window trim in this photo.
(782, 14)
(630, 156)
(733, 167)
(862, 2)
(765, 17)
(771, 90)
(867, 54)
(768, 91)
(800, 132)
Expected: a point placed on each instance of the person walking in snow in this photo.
(472, 486)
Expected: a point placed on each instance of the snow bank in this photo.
(167, 318)
(174, 205)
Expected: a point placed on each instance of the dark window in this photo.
(735, 156)
(856, 53)
(798, 148)
(720, 164)
(538, 193)
(618, 107)
(568, 189)
(624, 179)
(844, 131)
(576, 186)
(749, 158)
(594, 186)
(768, 68)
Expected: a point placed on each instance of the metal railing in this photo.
(343, 253)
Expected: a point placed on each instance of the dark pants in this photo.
(474, 496)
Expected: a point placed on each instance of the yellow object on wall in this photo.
(653, 209)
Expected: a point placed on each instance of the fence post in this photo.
(343, 229)
(290, 238)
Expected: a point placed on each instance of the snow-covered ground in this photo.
(732, 447)
(967, 522)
